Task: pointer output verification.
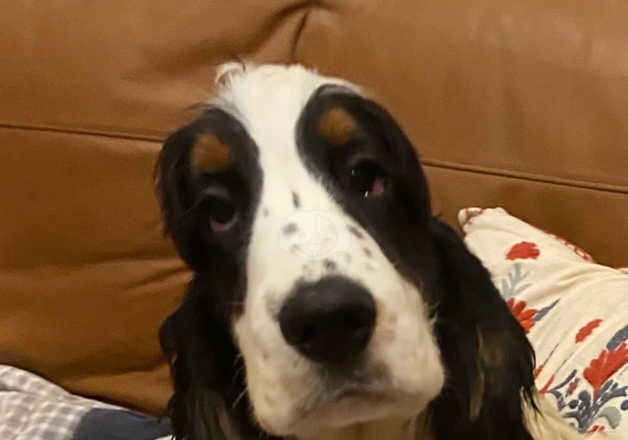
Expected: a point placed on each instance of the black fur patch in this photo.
(397, 220)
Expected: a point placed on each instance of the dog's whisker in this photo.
(240, 397)
(237, 373)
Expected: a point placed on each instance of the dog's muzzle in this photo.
(330, 321)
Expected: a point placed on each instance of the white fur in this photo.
(404, 370)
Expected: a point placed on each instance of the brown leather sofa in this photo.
(514, 104)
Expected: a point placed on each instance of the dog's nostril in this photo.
(330, 321)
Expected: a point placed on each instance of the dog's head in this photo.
(324, 294)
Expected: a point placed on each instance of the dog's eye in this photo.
(222, 214)
(368, 179)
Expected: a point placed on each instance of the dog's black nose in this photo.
(330, 321)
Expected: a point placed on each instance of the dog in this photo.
(327, 301)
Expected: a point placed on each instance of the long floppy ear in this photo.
(210, 400)
(488, 358)
(200, 357)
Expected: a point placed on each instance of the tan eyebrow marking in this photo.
(337, 126)
(209, 153)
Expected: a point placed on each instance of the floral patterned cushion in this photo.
(574, 311)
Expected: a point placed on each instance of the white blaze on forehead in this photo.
(269, 98)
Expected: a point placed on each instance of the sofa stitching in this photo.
(83, 131)
(522, 175)
(434, 163)
(301, 29)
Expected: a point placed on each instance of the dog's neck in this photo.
(378, 430)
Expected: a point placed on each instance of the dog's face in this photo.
(330, 331)
(303, 211)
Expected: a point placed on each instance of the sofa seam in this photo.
(83, 131)
(522, 175)
(433, 163)
(298, 35)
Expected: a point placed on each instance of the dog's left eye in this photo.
(368, 179)
(222, 214)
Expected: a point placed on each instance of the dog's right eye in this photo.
(222, 214)
(368, 179)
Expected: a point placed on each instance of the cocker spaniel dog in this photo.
(327, 301)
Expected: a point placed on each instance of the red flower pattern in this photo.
(522, 251)
(596, 428)
(605, 365)
(587, 330)
(601, 369)
(521, 314)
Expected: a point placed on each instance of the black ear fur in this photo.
(196, 399)
(208, 379)
(488, 358)
(174, 192)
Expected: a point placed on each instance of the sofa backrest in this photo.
(514, 104)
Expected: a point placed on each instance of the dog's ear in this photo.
(196, 348)
(488, 358)
(172, 180)
(204, 366)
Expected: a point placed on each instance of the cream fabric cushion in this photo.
(574, 311)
